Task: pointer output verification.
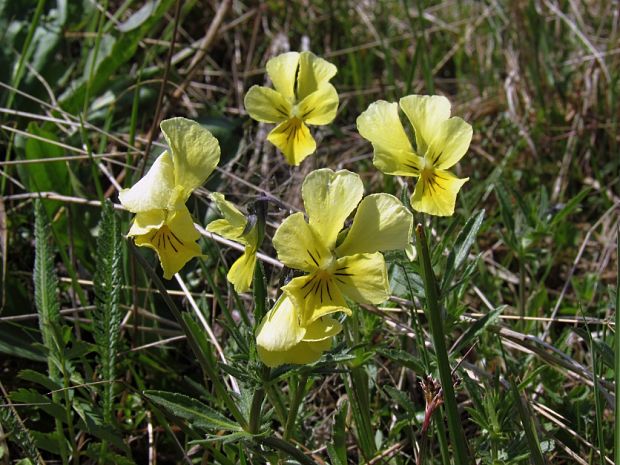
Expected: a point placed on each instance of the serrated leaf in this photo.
(107, 313)
(195, 412)
(45, 285)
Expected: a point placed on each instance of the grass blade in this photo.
(457, 436)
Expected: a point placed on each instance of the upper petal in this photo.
(297, 246)
(313, 73)
(426, 113)
(436, 195)
(282, 70)
(329, 198)
(381, 223)
(266, 105)
(363, 278)
(154, 191)
(319, 107)
(293, 138)
(195, 152)
(450, 143)
(393, 153)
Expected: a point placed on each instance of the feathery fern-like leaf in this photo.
(107, 317)
(16, 432)
(45, 285)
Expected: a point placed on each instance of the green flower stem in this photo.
(289, 428)
(459, 444)
(287, 448)
(257, 403)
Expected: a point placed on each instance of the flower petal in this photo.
(426, 114)
(316, 295)
(297, 246)
(281, 328)
(313, 73)
(145, 222)
(436, 195)
(282, 70)
(319, 107)
(266, 105)
(363, 278)
(450, 143)
(301, 354)
(154, 191)
(322, 329)
(233, 225)
(329, 198)
(380, 124)
(195, 152)
(293, 138)
(174, 242)
(381, 223)
(241, 272)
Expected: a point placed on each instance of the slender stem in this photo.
(289, 428)
(257, 404)
(617, 354)
(461, 453)
(287, 448)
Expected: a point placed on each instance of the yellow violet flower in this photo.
(234, 226)
(302, 95)
(281, 338)
(163, 222)
(338, 264)
(440, 142)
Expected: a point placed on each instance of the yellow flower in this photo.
(440, 142)
(338, 264)
(281, 338)
(302, 96)
(234, 226)
(163, 222)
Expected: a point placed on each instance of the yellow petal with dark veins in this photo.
(293, 138)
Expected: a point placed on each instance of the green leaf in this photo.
(124, 49)
(108, 315)
(476, 328)
(195, 412)
(45, 285)
(462, 244)
(39, 378)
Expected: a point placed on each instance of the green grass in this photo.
(527, 295)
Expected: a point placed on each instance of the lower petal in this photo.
(241, 272)
(281, 327)
(363, 278)
(435, 194)
(293, 138)
(302, 353)
(174, 242)
(316, 295)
